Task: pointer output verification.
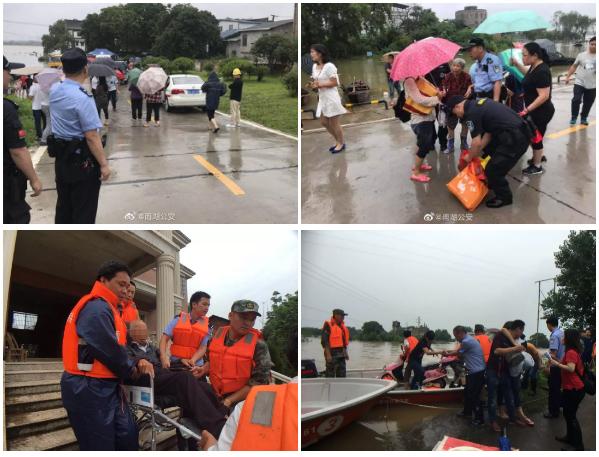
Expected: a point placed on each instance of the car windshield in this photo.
(177, 80)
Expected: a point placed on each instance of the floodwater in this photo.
(403, 427)
(27, 55)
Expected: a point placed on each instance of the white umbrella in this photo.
(151, 80)
(26, 71)
(47, 77)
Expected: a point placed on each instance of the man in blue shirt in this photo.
(80, 164)
(471, 353)
(556, 351)
(486, 72)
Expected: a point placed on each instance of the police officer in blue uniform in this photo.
(17, 166)
(76, 144)
(498, 130)
(486, 72)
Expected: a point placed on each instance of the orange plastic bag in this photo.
(468, 187)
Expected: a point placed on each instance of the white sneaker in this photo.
(157, 124)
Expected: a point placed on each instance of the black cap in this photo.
(479, 328)
(339, 312)
(11, 65)
(73, 60)
(453, 101)
(475, 42)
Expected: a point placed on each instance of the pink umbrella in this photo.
(422, 57)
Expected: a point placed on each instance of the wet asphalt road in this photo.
(369, 182)
(165, 174)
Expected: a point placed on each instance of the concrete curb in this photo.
(261, 127)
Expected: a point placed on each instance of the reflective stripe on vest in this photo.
(268, 419)
(187, 337)
(338, 336)
(231, 366)
(71, 342)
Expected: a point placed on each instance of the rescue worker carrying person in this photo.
(238, 357)
(17, 165)
(80, 163)
(189, 335)
(501, 133)
(95, 362)
(128, 310)
(334, 340)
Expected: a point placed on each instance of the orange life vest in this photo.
(187, 337)
(129, 313)
(413, 341)
(338, 335)
(485, 344)
(231, 366)
(427, 89)
(71, 342)
(268, 420)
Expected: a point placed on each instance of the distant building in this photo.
(471, 16)
(229, 25)
(74, 30)
(239, 43)
(399, 13)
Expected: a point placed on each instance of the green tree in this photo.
(574, 301)
(539, 340)
(57, 38)
(280, 331)
(310, 332)
(290, 81)
(189, 32)
(278, 50)
(442, 335)
(373, 331)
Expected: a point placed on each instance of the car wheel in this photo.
(167, 107)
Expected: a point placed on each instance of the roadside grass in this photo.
(265, 102)
(26, 117)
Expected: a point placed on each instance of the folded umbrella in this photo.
(25, 71)
(97, 70)
(152, 80)
(422, 57)
(512, 21)
(48, 77)
(133, 75)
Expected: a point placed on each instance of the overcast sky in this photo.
(34, 18)
(233, 263)
(446, 278)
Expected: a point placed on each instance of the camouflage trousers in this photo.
(335, 368)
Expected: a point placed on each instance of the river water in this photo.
(27, 55)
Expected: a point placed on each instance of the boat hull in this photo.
(426, 397)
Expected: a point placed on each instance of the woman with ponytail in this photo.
(537, 97)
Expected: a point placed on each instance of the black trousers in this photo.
(77, 202)
(472, 403)
(112, 98)
(15, 208)
(541, 118)
(571, 401)
(555, 393)
(39, 119)
(136, 106)
(152, 107)
(103, 108)
(587, 96)
(398, 373)
(196, 398)
(440, 133)
(505, 150)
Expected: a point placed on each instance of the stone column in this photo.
(165, 291)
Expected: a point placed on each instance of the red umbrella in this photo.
(422, 57)
(119, 75)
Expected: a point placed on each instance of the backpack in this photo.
(400, 113)
(588, 379)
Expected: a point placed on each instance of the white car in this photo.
(184, 90)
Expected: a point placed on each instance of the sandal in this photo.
(426, 167)
(420, 178)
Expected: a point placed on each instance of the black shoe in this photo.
(497, 203)
(532, 170)
(216, 130)
(530, 162)
(548, 415)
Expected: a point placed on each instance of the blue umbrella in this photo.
(101, 52)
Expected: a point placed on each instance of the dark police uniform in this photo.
(73, 112)
(16, 209)
(509, 140)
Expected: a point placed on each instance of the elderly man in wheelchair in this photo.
(150, 395)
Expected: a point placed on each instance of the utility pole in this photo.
(554, 279)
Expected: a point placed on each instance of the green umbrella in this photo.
(505, 56)
(133, 75)
(512, 21)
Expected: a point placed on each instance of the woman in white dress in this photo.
(330, 109)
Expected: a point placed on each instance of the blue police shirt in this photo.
(555, 342)
(472, 354)
(486, 72)
(72, 111)
(169, 331)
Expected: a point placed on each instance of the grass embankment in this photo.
(26, 117)
(265, 102)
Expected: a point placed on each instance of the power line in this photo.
(26, 23)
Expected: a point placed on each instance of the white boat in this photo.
(329, 404)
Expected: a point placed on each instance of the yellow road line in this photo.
(234, 188)
(569, 130)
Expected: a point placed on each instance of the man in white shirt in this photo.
(585, 67)
(37, 96)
